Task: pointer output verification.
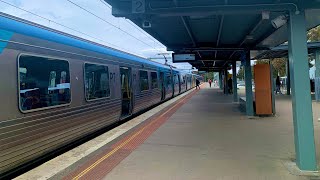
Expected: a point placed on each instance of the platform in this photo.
(209, 138)
(203, 135)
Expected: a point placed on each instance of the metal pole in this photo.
(301, 96)
(220, 80)
(234, 76)
(288, 78)
(317, 75)
(248, 82)
(226, 81)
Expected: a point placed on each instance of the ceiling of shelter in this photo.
(218, 31)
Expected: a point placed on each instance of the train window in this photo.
(39, 82)
(176, 79)
(123, 81)
(154, 80)
(144, 83)
(168, 81)
(96, 81)
(52, 79)
(63, 77)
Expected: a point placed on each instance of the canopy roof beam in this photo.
(219, 35)
(220, 30)
(224, 48)
(165, 8)
(250, 34)
(186, 25)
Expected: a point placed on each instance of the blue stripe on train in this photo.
(4, 36)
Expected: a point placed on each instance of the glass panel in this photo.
(168, 81)
(176, 79)
(52, 79)
(23, 74)
(39, 85)
(154, 80)
(144, 85)
(123, 82)
(96, 81)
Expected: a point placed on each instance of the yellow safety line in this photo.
(120, 146)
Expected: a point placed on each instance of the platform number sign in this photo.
(138, 6)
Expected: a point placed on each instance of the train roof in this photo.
(21, 26)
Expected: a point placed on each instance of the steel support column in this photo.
(288, 78)
(220, 80)
(248, 83)
(317, 75)
(301, 96)
(226, 88)
(234, 77)
(272, 88)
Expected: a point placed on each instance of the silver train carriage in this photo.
(57, 88)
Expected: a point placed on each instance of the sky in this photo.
(118, 33)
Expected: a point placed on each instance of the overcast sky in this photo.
(68, 14)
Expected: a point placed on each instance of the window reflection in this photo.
(154, 80)
(96, 81)
(40, 84)
(144, 85)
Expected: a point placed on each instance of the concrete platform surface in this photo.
(209, 138)
(62, 165)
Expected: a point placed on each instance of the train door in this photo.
(126, 91)
(187, 82)
(162, 86)
(170, 84)
(179, 83)
(174, 88)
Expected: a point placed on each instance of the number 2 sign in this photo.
(138, 6)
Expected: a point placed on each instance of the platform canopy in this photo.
(281, 51)
(217, 31)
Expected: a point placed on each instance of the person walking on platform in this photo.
(197, 84)
(230, 86)
(210, 81)
(278, 84)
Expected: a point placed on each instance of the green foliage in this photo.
(278, 64)
(314, 34)
(208, 75)
(240, 74)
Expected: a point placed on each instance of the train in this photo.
(57, 88)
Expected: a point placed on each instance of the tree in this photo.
(240, 74)
(208, 75)
(262, 61)
(279, 65)
(314, 34)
